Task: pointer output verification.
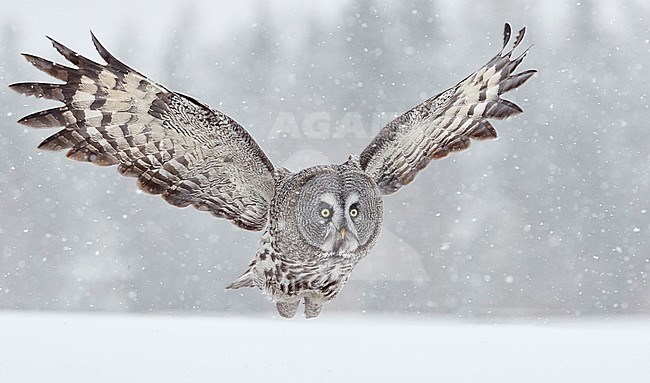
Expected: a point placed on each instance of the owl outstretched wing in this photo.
(176, 146)
(446, 122)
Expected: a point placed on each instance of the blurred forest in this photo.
(551, 219)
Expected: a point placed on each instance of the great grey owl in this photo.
(317, 223)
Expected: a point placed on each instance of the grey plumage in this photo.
(175, 146)
(445, 123)
(296, 258)
(319, 222)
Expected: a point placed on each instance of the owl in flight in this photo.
(317, 223)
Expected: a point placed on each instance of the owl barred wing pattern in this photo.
(176, 146)
(446, 122)
(319, 222)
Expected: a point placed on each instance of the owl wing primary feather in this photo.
(446, 122)
(176, 146)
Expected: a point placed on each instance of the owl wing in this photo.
(446, 122)
(176, 146)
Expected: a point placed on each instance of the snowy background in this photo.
(549, 223)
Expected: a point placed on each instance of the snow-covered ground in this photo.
(51, 347)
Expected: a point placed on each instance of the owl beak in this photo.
(344, 241)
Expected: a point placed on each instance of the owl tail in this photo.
(246, 280)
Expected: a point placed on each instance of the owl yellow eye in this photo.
(354, 212)
(325, 213)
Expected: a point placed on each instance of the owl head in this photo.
(337, 209)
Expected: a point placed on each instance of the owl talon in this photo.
(312, 309)
(287, 309)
